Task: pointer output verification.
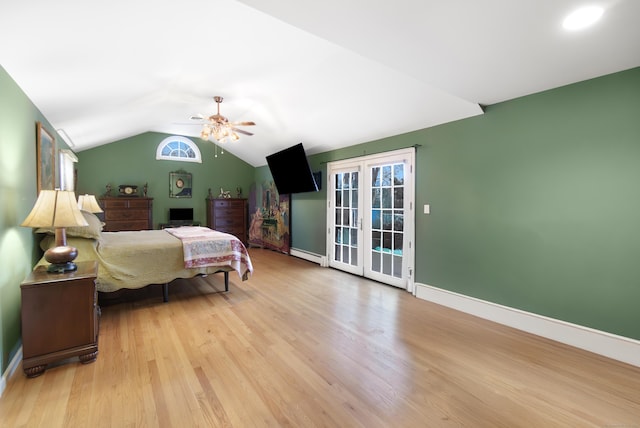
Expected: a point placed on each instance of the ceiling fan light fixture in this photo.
(220, 128)
(206, 131)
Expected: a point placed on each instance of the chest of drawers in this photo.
(228, 216)
(122, 213)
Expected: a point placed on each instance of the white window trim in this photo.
(67, 159)
(183, 140)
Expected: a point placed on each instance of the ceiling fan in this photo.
(219, 127)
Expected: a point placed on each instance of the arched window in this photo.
(178, 149)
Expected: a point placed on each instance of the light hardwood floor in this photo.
(298, 345)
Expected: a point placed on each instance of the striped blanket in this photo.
(206, 247)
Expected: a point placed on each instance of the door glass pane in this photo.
(397, 267)
(375, 176)
(386, 198)
(376, 240)
(386, 241)
(354, 198)
(354, 237)
(397, 243)
(398, 174)
(386, 263)
(375, 198)
(345, 180)
(345, 198)
(375, 219)
(386, 175)
(398, 221)
(375, 262)
(338, 181)
(386, 219)
(398, 197)
(338, 220)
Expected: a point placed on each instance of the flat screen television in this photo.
(291, 171)
(180, 214)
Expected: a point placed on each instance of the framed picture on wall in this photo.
(45, 158)
(179, 184)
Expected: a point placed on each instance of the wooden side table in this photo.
(60, 317)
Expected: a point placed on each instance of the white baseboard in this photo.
(606, 344)
(307, 255)
(11, 368)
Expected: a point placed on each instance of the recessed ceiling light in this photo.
(582, 18)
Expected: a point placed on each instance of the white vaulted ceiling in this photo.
(328, 74)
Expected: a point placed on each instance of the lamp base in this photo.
(61, 267)
(61, 259)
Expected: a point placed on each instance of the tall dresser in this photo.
(229, 216)
(127, 213)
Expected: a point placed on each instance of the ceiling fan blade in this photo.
(241, 123)
(196, 117)
(240, 131)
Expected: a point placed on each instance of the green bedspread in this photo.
(136, 259)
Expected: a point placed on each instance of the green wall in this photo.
(18, 249)
(534, 205)
(133, 161)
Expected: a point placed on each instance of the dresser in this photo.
(60, 317)
(127, 213)
(229, 216)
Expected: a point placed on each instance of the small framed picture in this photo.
(179, 184)
(45, 158)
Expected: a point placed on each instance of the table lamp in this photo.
(89, 203)
(57, 209)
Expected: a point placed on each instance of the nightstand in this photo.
(60, 317)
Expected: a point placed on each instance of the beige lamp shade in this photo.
(55, 208)
(89, 203)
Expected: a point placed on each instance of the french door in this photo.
(370, 217)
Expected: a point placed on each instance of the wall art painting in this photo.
(180, 184)
(45, 158)
(269, 218)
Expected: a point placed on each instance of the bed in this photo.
(129, 260)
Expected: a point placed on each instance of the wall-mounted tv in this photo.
(291, 171)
